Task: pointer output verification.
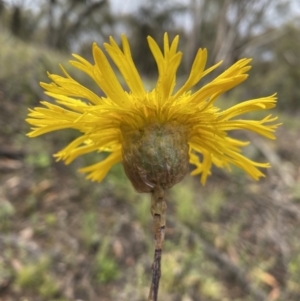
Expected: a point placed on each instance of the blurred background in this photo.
(64, 238)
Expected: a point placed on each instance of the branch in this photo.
(63, 31)
(83, 15)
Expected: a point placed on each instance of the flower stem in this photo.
(158, 211)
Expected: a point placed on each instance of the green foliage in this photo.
(5, 273)
(50, 219)
(36, 277)
(49, 287)
(27, 56)
(294, 268)
(211, 288)
(296, 192)
(7, 211)
(41, 159)
(142, 209)
(89, 228)
(265, 78)
(106, 267)
(213, 204)
(31, 275)
(185, 204)
(119, 184)
(186, 267)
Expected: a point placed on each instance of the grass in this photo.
(65, 238)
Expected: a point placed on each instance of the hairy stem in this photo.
(158, 211)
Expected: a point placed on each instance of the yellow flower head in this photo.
(156, 134)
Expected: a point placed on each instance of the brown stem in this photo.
(158, 211)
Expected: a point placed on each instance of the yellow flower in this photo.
(154, 133)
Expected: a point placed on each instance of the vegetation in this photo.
(63, 238)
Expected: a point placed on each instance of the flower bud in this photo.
(155, 155)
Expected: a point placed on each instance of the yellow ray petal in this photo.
(124, 62)
(98, 171)
(106, 78)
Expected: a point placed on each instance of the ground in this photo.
(65, 238)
